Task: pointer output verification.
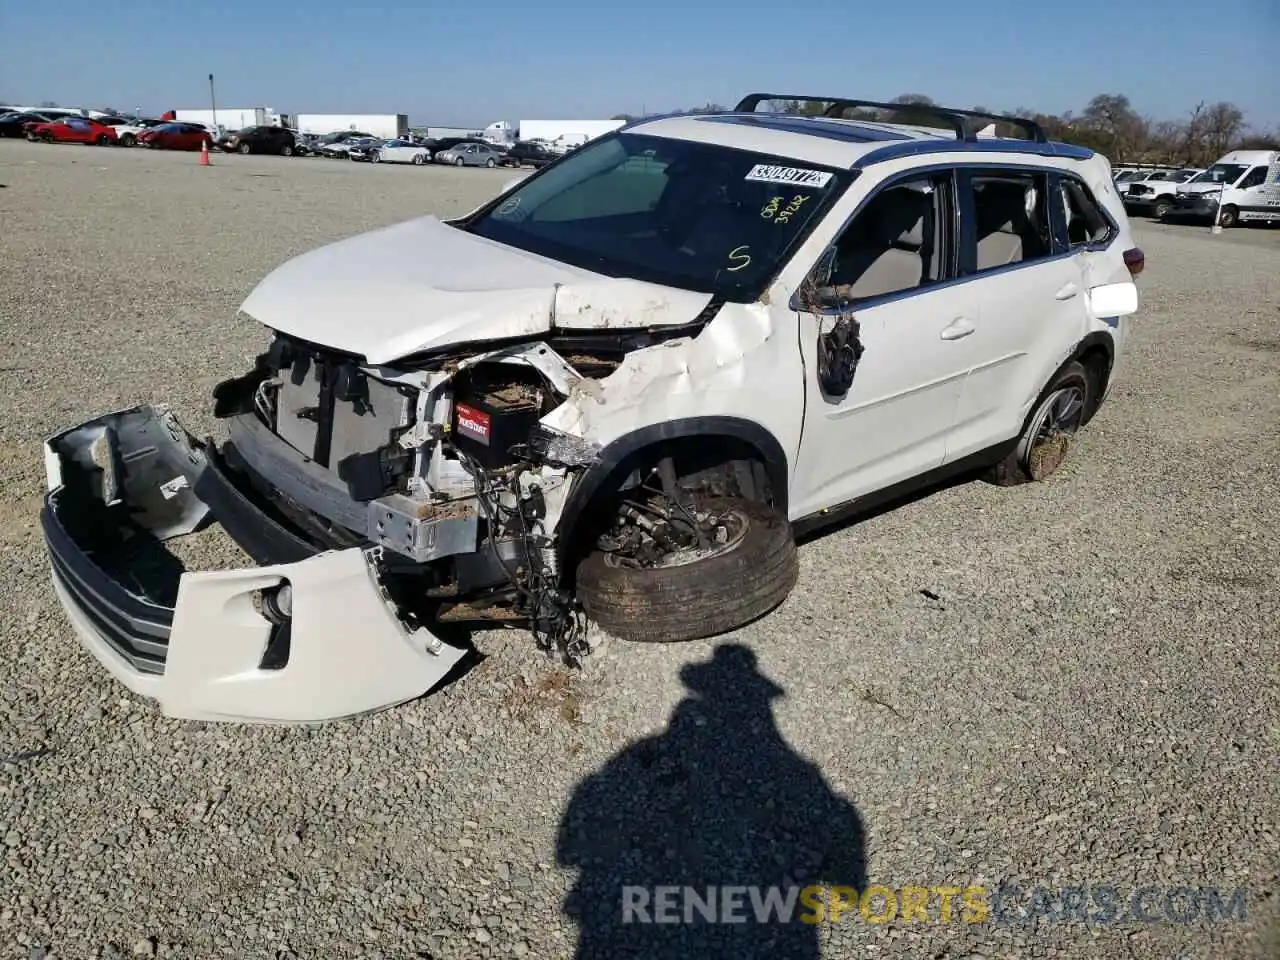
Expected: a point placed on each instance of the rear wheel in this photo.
(47, 137)
(102, 140)
(491, 163)
(375, 157)
(1063, 407)
(128, 140)
(647, 582)
(419, 159)
(286, 150)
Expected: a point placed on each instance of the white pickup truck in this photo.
(1154, 195)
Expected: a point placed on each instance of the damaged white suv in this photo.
(617, 389)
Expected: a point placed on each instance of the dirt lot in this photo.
(1067, 685)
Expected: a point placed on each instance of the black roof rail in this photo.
(955, 118)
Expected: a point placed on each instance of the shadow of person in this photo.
(663, 834)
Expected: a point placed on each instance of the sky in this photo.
(448, 63)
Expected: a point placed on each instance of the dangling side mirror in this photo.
(817, 293)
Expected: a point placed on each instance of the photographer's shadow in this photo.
(717, 801)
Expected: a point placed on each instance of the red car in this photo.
(176, 136)
(73, 130)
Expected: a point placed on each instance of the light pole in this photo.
(213, 102)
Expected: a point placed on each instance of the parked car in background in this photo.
(471, 155)
(14, 123)
(398, 151)
(335, 145)
(361, 150)
(129, 130)
(1154, 195)
(448, 143)
(527, 153)
(176, 136)
(261, 139)
(73, 130)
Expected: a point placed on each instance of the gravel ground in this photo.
(1086, 695)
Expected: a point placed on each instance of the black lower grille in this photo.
(136, 628)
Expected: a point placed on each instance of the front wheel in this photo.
(1163, 209)
(1062, 409)
(286, 151)
(458, 162)
(1228, 216)
(747, 568)
(491, 163)
(128, 140)
(102, 140)
(245, 149)
(47, 137)
(419, 159)
(375, 157)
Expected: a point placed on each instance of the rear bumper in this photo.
(204, 645)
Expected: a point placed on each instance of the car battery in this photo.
(487, 425)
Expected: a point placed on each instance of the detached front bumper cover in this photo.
(217, 645)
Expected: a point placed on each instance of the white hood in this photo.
(1192, 189)
(423, 284)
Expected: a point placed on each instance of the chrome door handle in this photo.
(960, 327)
(1067, 292)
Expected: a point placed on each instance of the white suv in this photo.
(617, 389)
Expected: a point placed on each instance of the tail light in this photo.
(1135, 260)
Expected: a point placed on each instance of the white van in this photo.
(1243, 184)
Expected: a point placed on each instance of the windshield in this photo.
(1222, 173)
(692, 215)
(1182, 176)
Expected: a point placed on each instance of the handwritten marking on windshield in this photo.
(739, 254)
(791, 210)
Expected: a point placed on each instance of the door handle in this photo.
(1067, 292)
(960, 327)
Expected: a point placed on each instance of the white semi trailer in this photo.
(231, 118)
(388, 126)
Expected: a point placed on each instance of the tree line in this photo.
(1108, 124)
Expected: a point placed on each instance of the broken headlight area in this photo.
(448, 472)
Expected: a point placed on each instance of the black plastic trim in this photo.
(137, 629)
(258, 534)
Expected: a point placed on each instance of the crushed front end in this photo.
(380, 504)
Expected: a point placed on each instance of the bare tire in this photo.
(245, 149)
(1059, 412)
(724, 588)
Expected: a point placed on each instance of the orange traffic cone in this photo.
(204, 154)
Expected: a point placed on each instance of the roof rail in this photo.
(956, 118)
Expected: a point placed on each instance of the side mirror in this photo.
(816, 292)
